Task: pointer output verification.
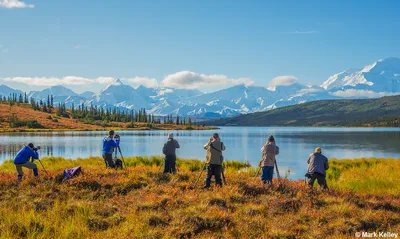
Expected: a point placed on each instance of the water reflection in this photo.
(243, 143)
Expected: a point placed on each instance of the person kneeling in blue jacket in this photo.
(22, 160)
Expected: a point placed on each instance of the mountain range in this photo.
(375, 80)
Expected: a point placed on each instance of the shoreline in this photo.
(106, 129)
(297, 126)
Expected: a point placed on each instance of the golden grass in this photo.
(140, 202)
(371, 175)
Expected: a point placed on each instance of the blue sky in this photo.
(227, 41)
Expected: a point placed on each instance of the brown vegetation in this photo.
(24, 112)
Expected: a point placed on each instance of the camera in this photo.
(37, 148)
(117, 136)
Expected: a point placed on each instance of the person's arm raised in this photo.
(35, 155)
(207, 145)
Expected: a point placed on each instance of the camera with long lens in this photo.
(117, 136)
(36, 148)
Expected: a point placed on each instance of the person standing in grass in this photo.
(22, 160)
(317, 166)
(269, 151)
(214, 160)
(109, 144)
(169, 150)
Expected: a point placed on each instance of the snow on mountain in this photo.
(87, 94)
(380, 76)
(375, 80)
(55, 91)
(123, 95)
(338, 79)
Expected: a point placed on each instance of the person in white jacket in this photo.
(269, 151)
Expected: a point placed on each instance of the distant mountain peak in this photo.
(118, 82)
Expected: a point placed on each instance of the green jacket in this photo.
(214, 152)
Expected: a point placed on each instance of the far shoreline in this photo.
(106, 129)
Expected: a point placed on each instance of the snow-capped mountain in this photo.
(54, 90)
(340, 79)
(380, 76)
(122, 95)
(375, 80)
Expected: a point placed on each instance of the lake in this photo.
(243, 143)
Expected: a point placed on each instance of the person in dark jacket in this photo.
(109, 144)
(269, 151)
(22, 160)
(169, 150)
(317, 166)
(214, 160)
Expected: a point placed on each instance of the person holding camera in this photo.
(109, 144)
(169, 150)
(269, 152)
(317, 166)
(214, 160)
(22, 160)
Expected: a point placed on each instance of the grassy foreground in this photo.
(140, 202)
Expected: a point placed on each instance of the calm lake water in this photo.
(243, 143)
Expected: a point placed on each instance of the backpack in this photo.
(73, 172)
(118, 163)
(222, 145)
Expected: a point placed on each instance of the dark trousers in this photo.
(170, 164)
(213, 169)
(267, 174)
(321, 179)
(108, 159)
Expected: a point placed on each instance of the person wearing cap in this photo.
(214, 160)
(269, 152)
(22, 160)
(169, 150)
(317, 166)
(109, 144)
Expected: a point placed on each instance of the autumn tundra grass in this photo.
(141, 202)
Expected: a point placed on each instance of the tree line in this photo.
(91, 113)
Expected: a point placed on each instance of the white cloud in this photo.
(76, 80)
(192, 80)
(282, 80)
(360, 93)
(179, 80)
(15, 4)
(105, 80)
(303, 32)
(50, 81)
(311, 90)
(145, 81)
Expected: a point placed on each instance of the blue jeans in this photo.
(267, 173)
